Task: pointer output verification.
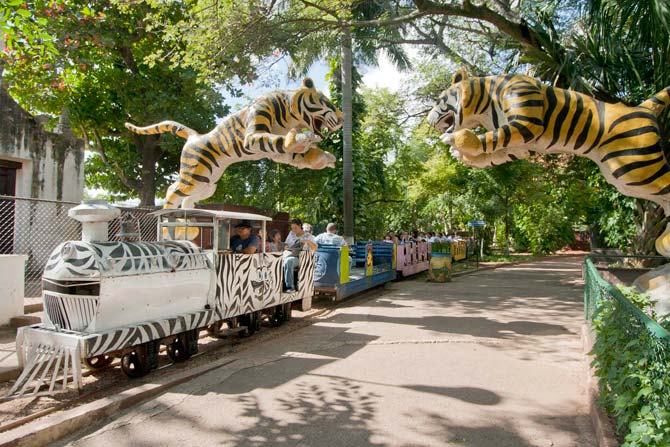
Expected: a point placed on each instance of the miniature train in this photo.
(344, 271)
(105, 300)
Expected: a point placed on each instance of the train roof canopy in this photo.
(180, 212)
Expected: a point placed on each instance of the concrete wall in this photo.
(52, 163)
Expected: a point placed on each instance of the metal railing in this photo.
(34, 227)
(597, 291)
(631, 359)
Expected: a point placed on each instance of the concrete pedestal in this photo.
(12, 282)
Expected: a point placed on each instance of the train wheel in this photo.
(288, 310)
(277, 317)
(136, 364)
(98, 362)
(252, 321)
(214, 330)
(179, 350)
(233, 323)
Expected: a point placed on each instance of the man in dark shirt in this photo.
(244, 242)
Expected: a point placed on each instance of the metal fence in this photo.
(631, 361)
(34, 227)
(597, 290)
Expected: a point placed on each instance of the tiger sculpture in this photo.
(283, 126)
(523, 115)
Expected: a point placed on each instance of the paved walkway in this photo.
(491, 359)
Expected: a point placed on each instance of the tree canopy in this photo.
(92, 63)
(112, 61)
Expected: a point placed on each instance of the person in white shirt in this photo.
(296, 241)
(307, 228)
(330, 237)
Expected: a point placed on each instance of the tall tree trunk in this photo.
(451, 218)
(506, 201)
(150, 151)
(347, 165)
(650, 222)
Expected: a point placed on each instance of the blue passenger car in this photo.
(345, 271)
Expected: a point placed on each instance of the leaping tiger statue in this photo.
(521, 115)
(283, 126)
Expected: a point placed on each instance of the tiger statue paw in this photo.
(319, 159)
(297, 142)
(487, 159)
(464, 141)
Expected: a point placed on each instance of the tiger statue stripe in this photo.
(283, 126)
(522, 115)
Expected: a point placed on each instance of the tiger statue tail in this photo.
(657, 104)
(164, 126)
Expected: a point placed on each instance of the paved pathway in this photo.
(491, 359)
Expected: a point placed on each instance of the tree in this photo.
(303, 30)
(98, 73)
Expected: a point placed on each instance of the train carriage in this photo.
(412, 258)
(342, 271)
(104, 299)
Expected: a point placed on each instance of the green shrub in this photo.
(633, 368)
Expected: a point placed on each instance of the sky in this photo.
(384, 75)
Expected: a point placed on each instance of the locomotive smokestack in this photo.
(94, 216)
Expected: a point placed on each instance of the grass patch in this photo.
(512, 257)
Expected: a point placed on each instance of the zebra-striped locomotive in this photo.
(106, 300)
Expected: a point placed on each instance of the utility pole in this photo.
(347, 175)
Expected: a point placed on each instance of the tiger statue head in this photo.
(447, 114)
(315, 109)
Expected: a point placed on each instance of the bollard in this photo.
(12, 282)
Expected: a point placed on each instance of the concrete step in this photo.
(9, 363)
(24, 320)
(32, 305)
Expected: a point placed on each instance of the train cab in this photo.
(257, 277)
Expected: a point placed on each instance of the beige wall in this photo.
(52, 163)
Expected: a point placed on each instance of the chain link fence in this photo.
(34, 227)
(631, 359)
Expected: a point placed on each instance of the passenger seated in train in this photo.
(263, 241)
(274, 238)
(296, 241)
(307, 228)
(330, 236)
(244, 241)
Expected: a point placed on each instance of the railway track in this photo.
(109, 379)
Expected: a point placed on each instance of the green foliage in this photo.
(24, 28)
(96, 70)
(227, 40)
(633, 368)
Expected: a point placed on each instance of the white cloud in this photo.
(384, 75)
